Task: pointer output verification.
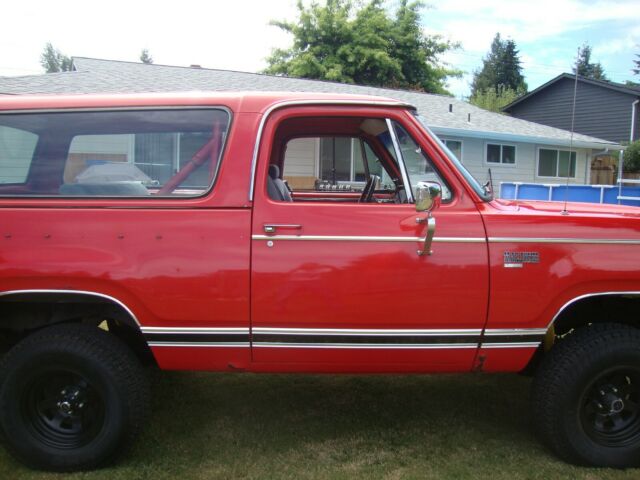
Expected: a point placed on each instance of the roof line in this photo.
(330, 82)
(610, 85)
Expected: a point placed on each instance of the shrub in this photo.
(632, 158)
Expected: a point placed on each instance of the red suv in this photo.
(290, 233)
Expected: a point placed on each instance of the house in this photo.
(514, 149)
(605, 110)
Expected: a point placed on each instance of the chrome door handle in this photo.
(272, 227)
(428, 239)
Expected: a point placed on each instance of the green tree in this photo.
(52, 60)
(636, 69)
(361, 43)
(145, 56)
(632, 158)
(585, 68)
(494, 100)
(501, 70)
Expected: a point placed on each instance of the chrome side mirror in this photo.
(428, 196)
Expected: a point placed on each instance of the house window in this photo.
(501, 154)
(556, 163)
(455, 146)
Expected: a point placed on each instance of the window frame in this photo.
(152, 108)
(501, 163)
(557, 150)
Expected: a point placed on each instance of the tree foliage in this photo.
(52, 60)
(494, 100)
(501, 71)
(632, 158)
(145, 56)
(585, 68)
(361, 43)
(636, 69)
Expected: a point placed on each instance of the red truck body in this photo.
(194, 271)
(232, 280)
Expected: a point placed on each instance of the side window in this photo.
(419, 166)
(16, 152)
(120, 153)
(331, 163)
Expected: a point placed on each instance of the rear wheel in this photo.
(71, 397)
(586, 397)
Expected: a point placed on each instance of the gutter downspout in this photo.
(633, 119)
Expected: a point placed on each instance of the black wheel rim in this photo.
(62, 409)
(610, 408)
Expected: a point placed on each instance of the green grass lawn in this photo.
(332, 427)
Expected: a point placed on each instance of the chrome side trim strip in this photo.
(365, 346)
(289, 103)
(75, 292)
(511, 345)
(356, 331)
(365, 238)
(588, 295)
(514, 331)
(194, 330)
(198, 345)
(585, 241)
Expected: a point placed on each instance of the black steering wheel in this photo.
(369, 188)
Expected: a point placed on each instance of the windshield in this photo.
(484, 191)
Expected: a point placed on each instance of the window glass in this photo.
(566, 164)
(455, 146)
(335, 159)
(122, 153)
(556, 163)
(340, 164)
(547, 163)
(493, 153)
(419, 167)
(16, 151)
(508, 154)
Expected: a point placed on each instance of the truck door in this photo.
(337, 282)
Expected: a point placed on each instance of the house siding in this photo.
(600, 112)
(525, 168)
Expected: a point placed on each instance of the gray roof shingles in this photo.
(108, 76)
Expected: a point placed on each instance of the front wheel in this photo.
(586, 397)
(71, 397)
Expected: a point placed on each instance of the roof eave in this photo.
(519, 138)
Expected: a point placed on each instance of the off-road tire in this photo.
(107, 412)
(586, 397)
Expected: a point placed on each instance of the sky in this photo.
(236, 35)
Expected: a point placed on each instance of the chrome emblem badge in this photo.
(518, 259)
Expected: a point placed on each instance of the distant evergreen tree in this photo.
(501, 69)
(52, 60)
(145, 56)
(493, 100)
(636, 69)
(500, 81)
(585, 68)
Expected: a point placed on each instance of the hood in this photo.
(577, 208)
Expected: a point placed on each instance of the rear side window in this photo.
(112, 153)
(16, 152)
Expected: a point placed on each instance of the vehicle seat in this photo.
(276, 188)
